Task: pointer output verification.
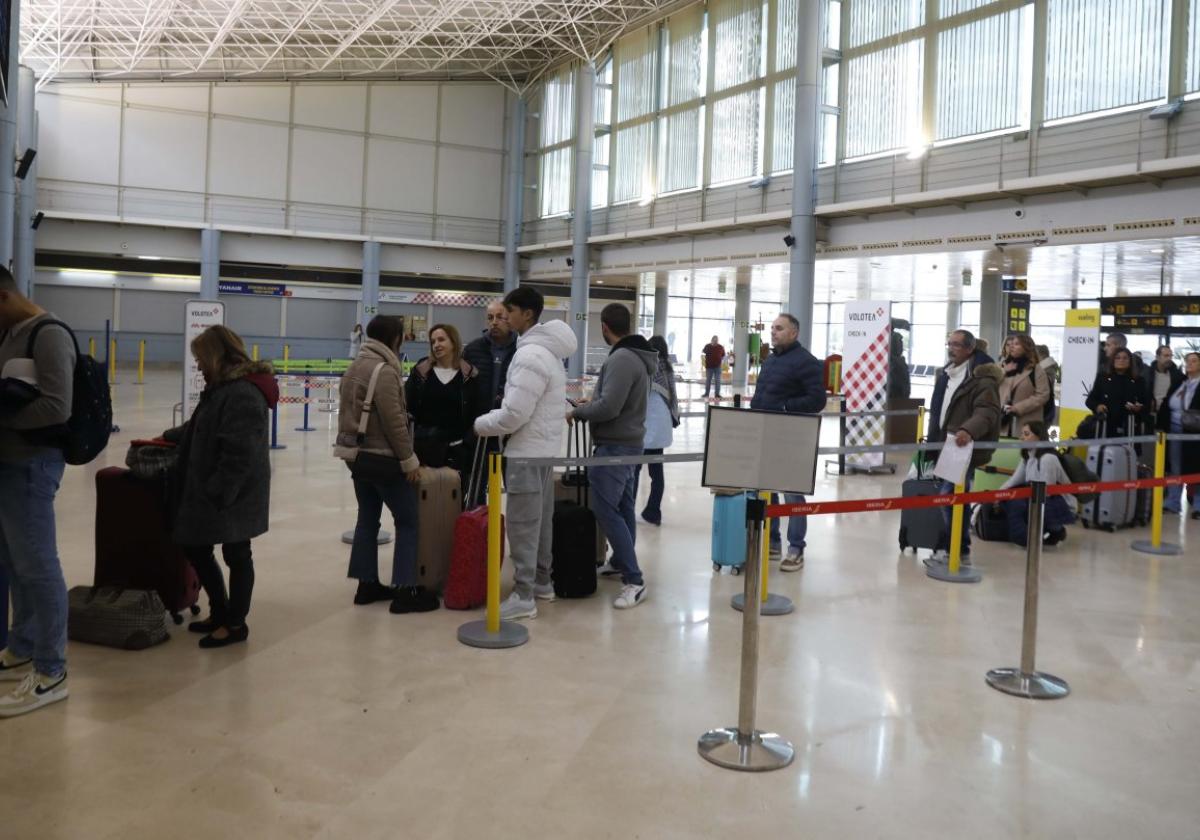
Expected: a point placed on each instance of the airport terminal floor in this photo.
(337, 721)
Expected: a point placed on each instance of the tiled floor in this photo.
(338, 721)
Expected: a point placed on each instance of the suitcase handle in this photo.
(582, 488)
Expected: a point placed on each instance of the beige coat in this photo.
(387, 427)
(1028, 397)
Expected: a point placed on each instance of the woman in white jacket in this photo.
(1039, 465)
(532, 415)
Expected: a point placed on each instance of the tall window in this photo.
(602, 148)
(1191, 76)
(736, 27)
(1104, 55)
(883, 99)
(557, 132)
(984, 74)
(681, 129)
(636, 60)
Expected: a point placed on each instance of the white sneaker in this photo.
(608, 570)
(938, 558)
(12, 668)
(515, 607)
(35, 691)
(794, 561)
(544, 592)
(631, 595)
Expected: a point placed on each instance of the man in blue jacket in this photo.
(791, 380)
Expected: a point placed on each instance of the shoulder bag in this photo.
(371, 466)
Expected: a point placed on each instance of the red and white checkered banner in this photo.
(867, 342)
(453, 298)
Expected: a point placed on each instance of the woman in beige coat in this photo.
(1025, 389)
(395, 474)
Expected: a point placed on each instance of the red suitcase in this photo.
(133, 542)
(466, 586)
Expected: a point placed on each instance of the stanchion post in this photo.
(92, 347)
(112, 361)
(1155, 545)
(287, 350)
(744, 747)
(1026, 681)
(304, 427)
(254, 352)
(920, 424)
(492, 632)
(954, 571)
(141, 377)
(769, 604)
(275, 444)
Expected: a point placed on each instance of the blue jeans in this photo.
(613, 492)
(1174, 498)
(401, 499)
(1055, 516)
(948, 513)
(712, 379)
(797, 525)
(653, 510)
(29, 555)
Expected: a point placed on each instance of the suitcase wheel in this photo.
(177, 618)
(717, 567)
(195, 608)
(736, 570)
(1085, 524)
(1112, 529)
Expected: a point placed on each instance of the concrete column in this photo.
(370, 281)
(661, 301)
(804, 187)
(516, 193)
(8, 139)
(23, 246)
(585, 83)
(210, 263)
(991, 312)
(741, 331)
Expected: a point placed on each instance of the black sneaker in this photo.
(411, 599)
(370, 591)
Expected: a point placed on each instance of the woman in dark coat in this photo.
(1183, 456)
(443, 401)
(1119, 394)
(222, 484)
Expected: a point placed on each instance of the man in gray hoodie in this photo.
(617, 413)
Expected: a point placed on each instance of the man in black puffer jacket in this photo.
(791, 380)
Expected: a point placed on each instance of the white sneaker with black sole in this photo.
(35, 691)
(544, 592)
(515, 607)
(631, 595)
(13, 668)
(794, 561)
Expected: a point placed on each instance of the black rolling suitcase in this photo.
(576, 534)
(991, 523)
(922, 527)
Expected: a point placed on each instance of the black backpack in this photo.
(87, 430)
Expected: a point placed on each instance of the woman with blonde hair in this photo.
(221, 488)
(1026, 388)
(443, 401)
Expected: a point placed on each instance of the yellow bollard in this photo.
(956, 526)
(494, 544)
(766, 547)
(92, 347)
(287, 351)
(1156, 506)
(920, 422)
(112, 361)
(141, 362)
(254, 353)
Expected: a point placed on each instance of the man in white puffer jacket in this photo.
(532, 415)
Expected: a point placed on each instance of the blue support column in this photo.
(8, 139)
(585, 83)
(23, 245)
(516, 193)
(804, 188)
(370, 282)
(210, 263)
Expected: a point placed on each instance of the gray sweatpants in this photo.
(530, 515)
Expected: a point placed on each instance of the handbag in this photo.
(151, 460)
(372, 466)
(129, 619)
(1087, 428)
(1190, 421)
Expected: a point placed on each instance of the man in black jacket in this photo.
(791, 380)
(1162, 377)
(490, 354)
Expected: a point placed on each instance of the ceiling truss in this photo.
(510, 41)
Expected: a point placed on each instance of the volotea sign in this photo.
(198, 316)
(866, 347)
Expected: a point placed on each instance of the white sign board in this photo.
(198, 316)
(866, 351)
(1081, 357)
(761, 450)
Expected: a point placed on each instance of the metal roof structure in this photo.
(510, 41)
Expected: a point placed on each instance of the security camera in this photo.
(1020, 214)
(789, 240)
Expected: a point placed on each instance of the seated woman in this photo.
(1039, 465)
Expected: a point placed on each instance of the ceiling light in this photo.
(148, 257)
(1156, 251)
(992, 268)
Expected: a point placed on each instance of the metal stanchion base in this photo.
(1036, 686)
(941, 571)
(306, 428)
(774, 605)
(384, 537)
(1148, 547)
(761, 751)
(475, 634)
(279, 446)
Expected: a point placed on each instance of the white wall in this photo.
(387, 159)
